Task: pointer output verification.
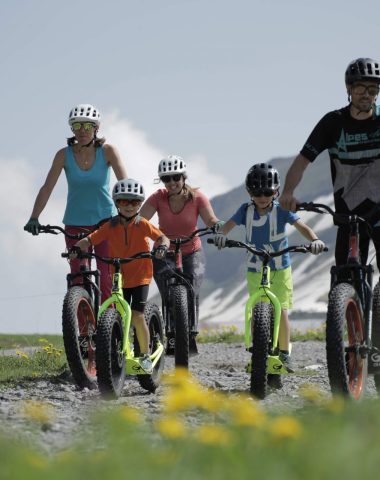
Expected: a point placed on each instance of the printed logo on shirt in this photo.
(348, 139)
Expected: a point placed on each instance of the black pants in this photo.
(193, 272)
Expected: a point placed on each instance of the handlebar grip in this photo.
(64, 255)
(326, 249)
(210, 240)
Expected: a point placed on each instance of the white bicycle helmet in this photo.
(84, 113)
(170, 165)
(129, 189)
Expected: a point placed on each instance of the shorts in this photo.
(281, 285)
(136, 297)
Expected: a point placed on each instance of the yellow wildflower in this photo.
(171, 427)
(246, 412)
(213, 435)
(131, 415)
(311, 393)
(38, 411)
(285, 427)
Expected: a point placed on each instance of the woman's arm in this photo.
(208, 216)
(147, 211)
(50, 182)
(113, 158)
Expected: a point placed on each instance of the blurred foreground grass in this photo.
(204, 434)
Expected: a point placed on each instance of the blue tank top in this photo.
(88, 198)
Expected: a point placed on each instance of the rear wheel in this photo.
(155, 324)
(179, 312)
(110, 358)
(376, 329)
(345, 334)
(79, 328)
(262, 314)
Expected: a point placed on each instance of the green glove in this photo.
(218, 225)
(33, 226)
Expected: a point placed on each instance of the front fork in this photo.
(122, 307)
(262, 296)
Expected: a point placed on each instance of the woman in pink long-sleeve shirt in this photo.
(179, 207)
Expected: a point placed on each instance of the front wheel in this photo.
(110, 357)
(78, 329)
(155, 324)
(345, 334)
(376, 330)
(262, 314)
(180, 314)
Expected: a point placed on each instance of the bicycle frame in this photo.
(264, 293)
(176, 277)
(353, 272)
(122, 306)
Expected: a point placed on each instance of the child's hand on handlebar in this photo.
(73, 252)
(317, 246)
(220, 240)
(160, 251)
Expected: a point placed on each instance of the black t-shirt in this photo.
(354, 149)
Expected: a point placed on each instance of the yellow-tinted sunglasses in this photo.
(87, 126)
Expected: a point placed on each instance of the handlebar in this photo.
(108, 260)
(197, 233)
(265, 253)
(56, 229)
(340, 218)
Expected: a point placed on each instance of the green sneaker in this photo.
(146, 363)
(286, 361)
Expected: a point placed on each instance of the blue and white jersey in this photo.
(267, 231)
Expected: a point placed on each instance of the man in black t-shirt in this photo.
(352, 137)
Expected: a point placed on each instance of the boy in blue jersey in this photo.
(265, 222)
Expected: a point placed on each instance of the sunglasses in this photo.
(124, 202)
(260, 192)
(87, 126)
(176, 178)
(360, 89)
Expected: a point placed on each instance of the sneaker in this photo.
(274, 381)
(286, 361)
(146, 363)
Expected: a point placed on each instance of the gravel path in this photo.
(218, 366)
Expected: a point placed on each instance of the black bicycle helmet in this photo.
(262, 175)
(362, 69)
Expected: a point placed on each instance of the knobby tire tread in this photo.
(262, 314)
(343, 299)
(75, 298)
(180, 313)
(376, 326)
(155, 324)
(110, 360)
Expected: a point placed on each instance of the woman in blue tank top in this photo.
(86, 161)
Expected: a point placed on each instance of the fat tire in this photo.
(78, 329)
(376, 327)
(180, 314)
(345, 327)
(155, 324)
(262, 314)
(110, 358)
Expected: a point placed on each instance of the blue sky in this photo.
(223, 83)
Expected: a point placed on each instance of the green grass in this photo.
(8, 341)
(45, 359)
